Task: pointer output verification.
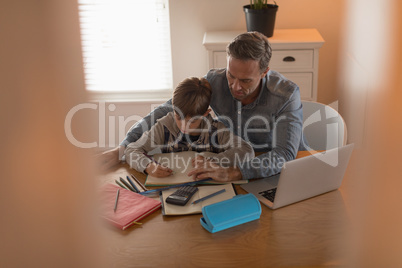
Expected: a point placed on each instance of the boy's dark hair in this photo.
(192, 97)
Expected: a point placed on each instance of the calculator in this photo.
(181, 196)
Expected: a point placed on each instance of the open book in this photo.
(181, 164)
(189, 208)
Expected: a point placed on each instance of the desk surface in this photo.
(308, 233)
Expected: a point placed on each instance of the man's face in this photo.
(244, 78)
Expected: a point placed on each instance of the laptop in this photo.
(302, 178)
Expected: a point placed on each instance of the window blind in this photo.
(126, 45)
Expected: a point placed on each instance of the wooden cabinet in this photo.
(294, 54)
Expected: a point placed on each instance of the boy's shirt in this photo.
(166, 137)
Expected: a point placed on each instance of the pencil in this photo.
(208, 196)
(121, 185)
(117, 199)
(127, 185)
(132, 184)
(138, 181)
(156, 162)
(173, 186)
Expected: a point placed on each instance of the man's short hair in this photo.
(192, 97)
(251, 46)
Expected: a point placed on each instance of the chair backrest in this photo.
(323, 127)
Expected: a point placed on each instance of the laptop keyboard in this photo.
(269, 194)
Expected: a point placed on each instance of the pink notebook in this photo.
(131, 206)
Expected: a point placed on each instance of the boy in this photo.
(189, 127)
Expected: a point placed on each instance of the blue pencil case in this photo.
(229, 213)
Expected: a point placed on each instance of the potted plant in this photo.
(260, 16)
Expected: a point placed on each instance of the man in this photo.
(256, 103)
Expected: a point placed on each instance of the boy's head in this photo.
(191, 100)
(192, 97)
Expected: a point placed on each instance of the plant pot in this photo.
(261, 20)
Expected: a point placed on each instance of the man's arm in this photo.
(286, 135)
(146, 123)
(208, 169)
(235, 149)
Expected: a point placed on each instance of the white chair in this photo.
(323, 127)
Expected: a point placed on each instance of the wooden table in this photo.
(308, 233)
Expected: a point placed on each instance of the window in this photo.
(126, 46)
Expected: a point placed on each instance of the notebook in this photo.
(181, 164)
(189, 208)
(303, 178)
(131, 207)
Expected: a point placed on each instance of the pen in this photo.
(132, 184)
(121, 185)
(127, 185)
(174, 186)
(153, 160)
(138, 181)
(208, 196)
(117, 199)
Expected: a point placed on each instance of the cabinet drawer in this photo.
(305, 83)
(294, 59)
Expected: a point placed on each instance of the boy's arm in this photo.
(150, 140)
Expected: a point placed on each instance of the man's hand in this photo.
(110, 158)
(158, 171)
(204, 169)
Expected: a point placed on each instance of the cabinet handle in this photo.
(289, 58)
